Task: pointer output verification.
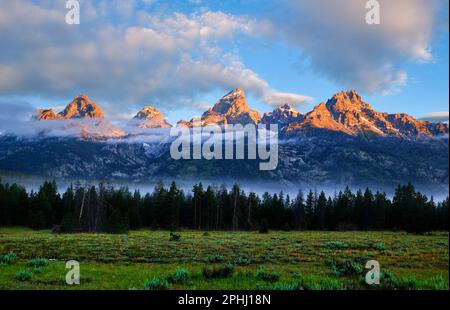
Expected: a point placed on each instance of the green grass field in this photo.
(223, 260)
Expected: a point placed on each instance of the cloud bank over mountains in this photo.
(164, 58)
(343, 47)
(127, 52)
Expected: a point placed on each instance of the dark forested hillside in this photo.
(323, 161)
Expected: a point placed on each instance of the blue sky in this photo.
(182, 56)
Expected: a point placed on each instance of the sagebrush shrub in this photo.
(38, 262)
(174, 237)
(242, 261)
(180, 275)
(380, 246)
(23, 275)
(216, 258)
(337, 245)
(345, 268)
(262, 274)
(8, 258)
(38, 270)
(156, 284)
(297, 276)
(218, 272)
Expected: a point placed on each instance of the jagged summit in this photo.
(46, 114)
(347, 101)
(80, 107)
(282, 115)
(287, 107)
(234, 101)
(149, 112)
(231, 109)
(150, 117)
(346, 112)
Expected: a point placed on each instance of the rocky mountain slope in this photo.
(284, 115)
(230, 109)
(82, 118)
(344, 113)
(80, 107)
(150, 117)
(342, 141)
(347, 113)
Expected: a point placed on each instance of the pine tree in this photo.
(329, 215)
(320, 210)
(174, 204)
(368, 214)
(299, 217)
(358, 210)
(309, 210)
(40, 212)
(197, 200)
(68, 222)
(380, 211)
(103, 208)
(136, 214)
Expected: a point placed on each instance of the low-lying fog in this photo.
(260, 187)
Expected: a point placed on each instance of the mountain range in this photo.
(345, 113)
(342, 141)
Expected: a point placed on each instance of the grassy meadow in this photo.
(223, 260)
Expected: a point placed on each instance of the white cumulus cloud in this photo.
(340, 44)
(151, 58)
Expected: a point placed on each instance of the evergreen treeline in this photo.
(105, 209)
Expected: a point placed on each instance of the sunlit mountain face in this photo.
(344, 113)
(340, 142)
